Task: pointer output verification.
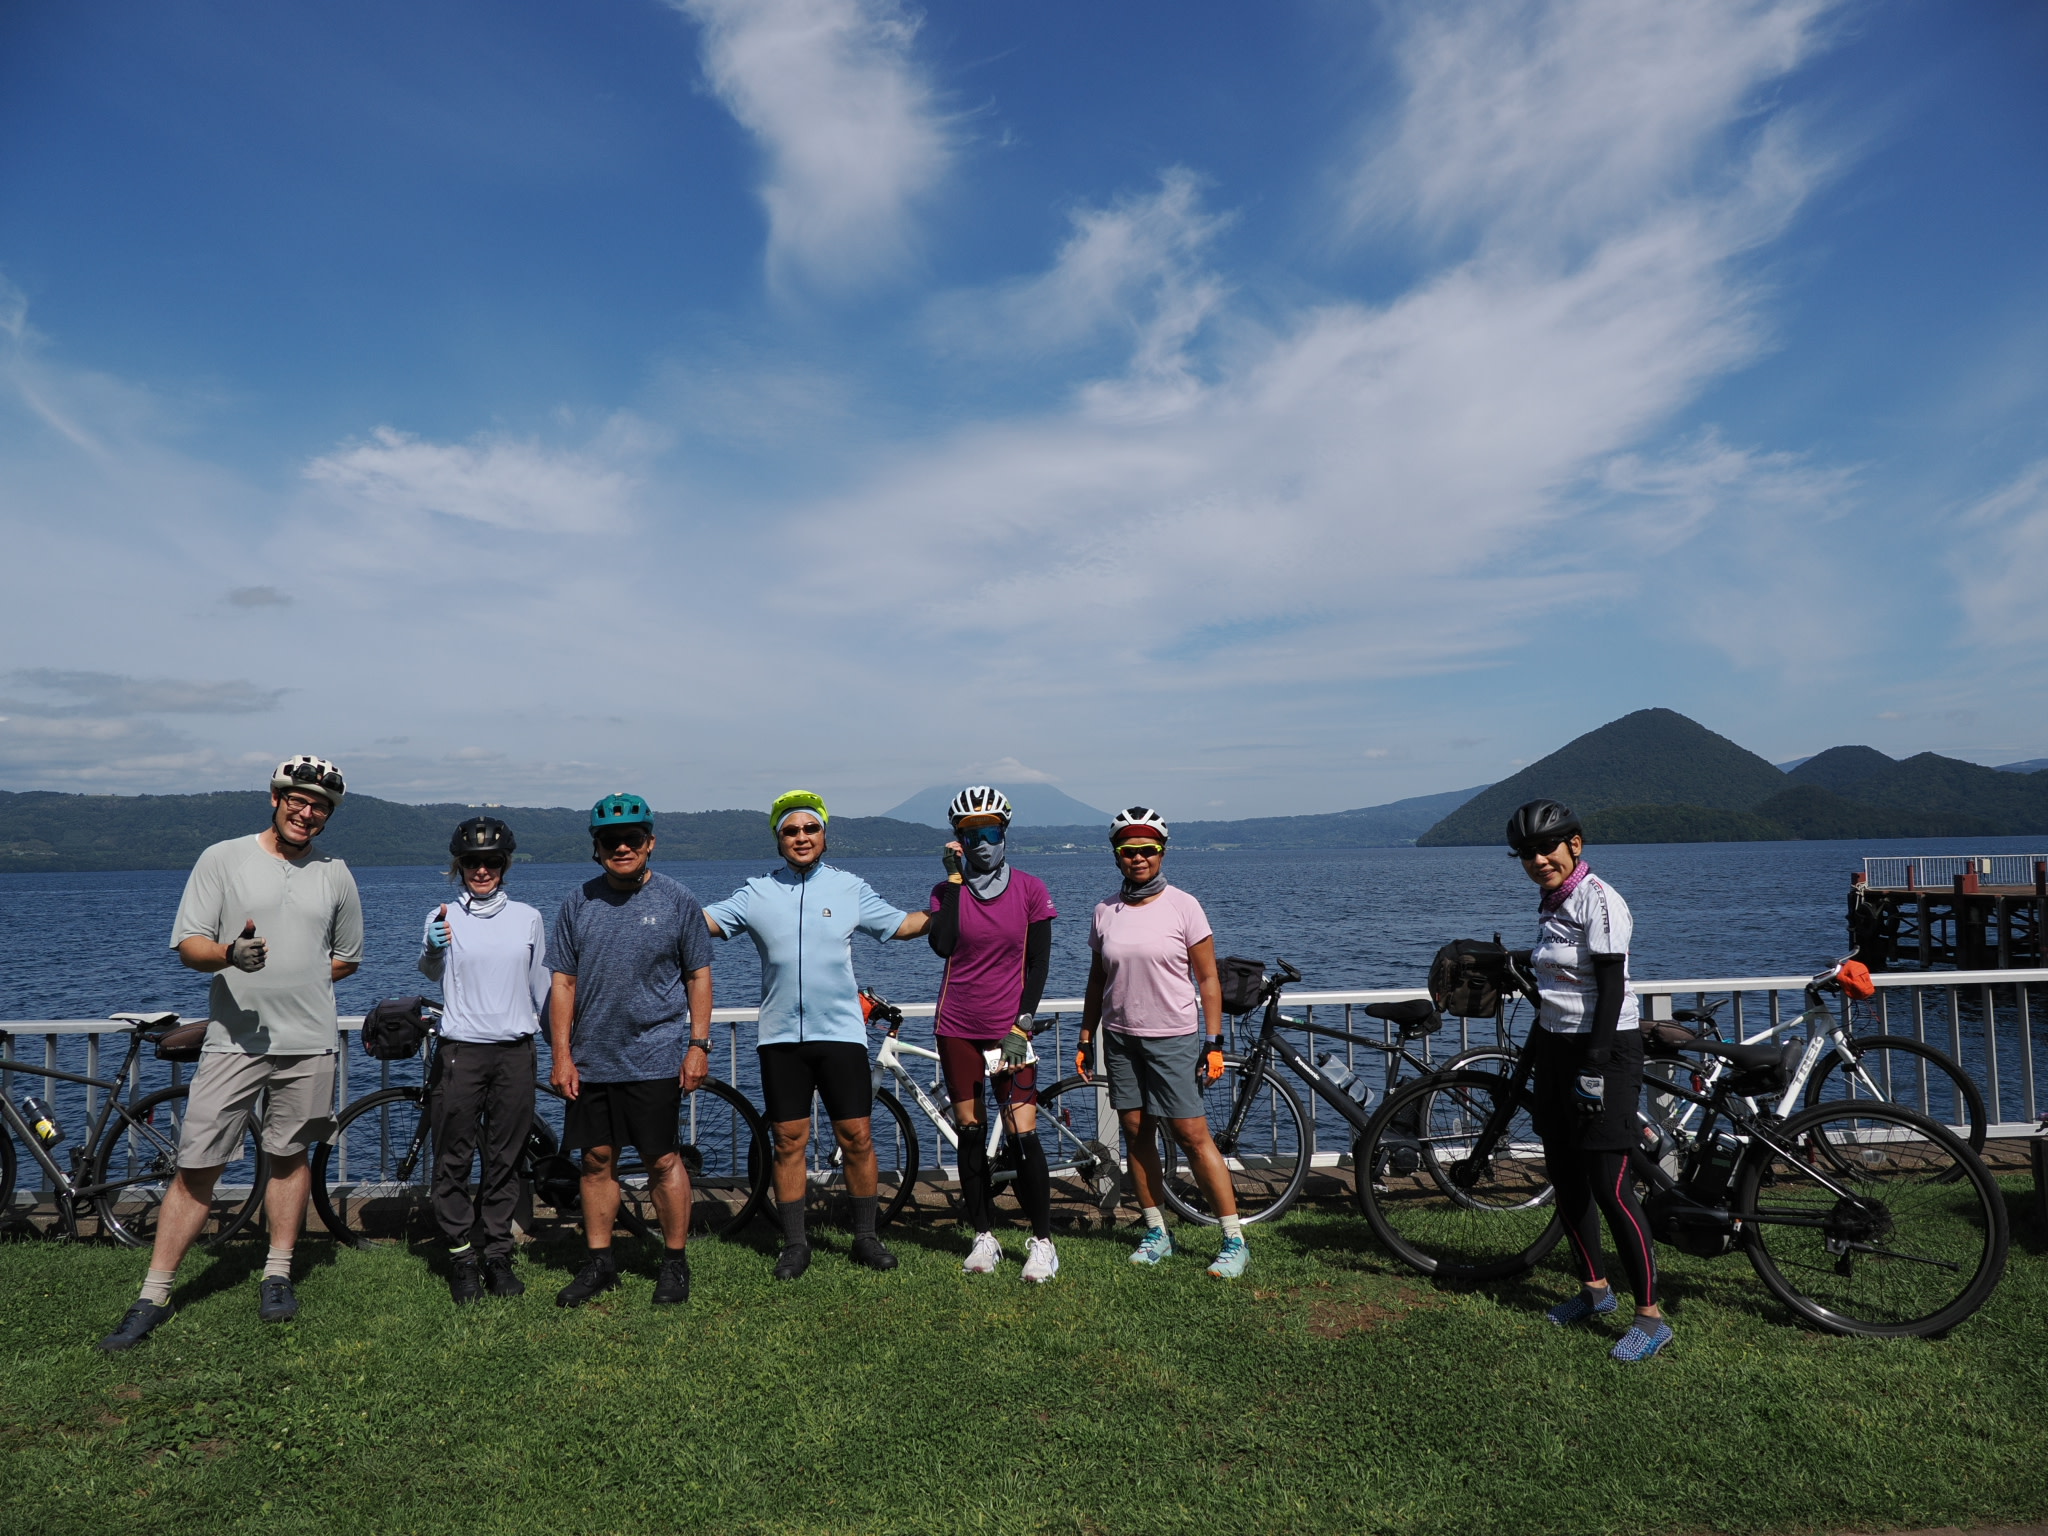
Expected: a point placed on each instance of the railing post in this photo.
(1993, 1108)
(2027, 1053)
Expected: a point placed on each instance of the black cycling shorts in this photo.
(643, 1115)
(835, 1070)
(1559, 1120)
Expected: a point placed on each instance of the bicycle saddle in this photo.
(1417, 1016)
(1752, 1058)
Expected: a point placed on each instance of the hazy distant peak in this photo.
(1036, 805)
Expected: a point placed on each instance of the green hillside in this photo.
(1932, 785)
(1654, 757)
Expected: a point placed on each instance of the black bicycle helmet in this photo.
(1542, 825)
(482, 834)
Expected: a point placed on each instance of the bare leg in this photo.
(669, 1182)
(182, 1216)
(1141, 1138)
(791, 1137)
(857, 1148)
(1210, 1171)
(284, 1201)
(600, 1189)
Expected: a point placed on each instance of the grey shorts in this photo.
(1155, 1073)
(297, 1094)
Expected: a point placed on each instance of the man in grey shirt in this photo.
(276, 924)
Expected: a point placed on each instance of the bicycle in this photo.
(129, 1154)
(1084, 1169)
(1862, 1217)
(722, 1138)
(1267, 1139)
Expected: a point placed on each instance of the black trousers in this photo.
(484, 1104)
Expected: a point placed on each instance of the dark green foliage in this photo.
(1679, 824)
(1808, 811)
(1329, 1390)
(1929, 784)
(1652, 757)
(1841, 769)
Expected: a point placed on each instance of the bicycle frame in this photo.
(71, 1193)
(889, 1059)
(1820, 1041)
(1271, 1043)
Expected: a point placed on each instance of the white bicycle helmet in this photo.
(309, 773)
(1138, 818)
(979, 800)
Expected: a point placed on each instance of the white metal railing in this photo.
(1985, 1020)
(1939, 871)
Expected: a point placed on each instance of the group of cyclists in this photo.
(621, 981)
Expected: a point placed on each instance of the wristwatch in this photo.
(703, 1045)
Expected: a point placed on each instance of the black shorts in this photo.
(1559, 1120)
(835, 1070)
(643, 1115)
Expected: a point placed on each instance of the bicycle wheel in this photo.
(1268, 1165)
(1441, 1207)
(1081, 1152)
(373, 1179)
(135, 1159)
(1906, 1072)
(6, 1178)
(724, 1142)
(896, 1165)
(1874, 1221)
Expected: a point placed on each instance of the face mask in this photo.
(986, 868)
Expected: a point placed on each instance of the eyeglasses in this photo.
(981, 835)
(1141, 850)
(635, 838)
(308, 805)
(801, 829)
(483, 861)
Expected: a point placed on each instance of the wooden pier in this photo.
(1945, 912)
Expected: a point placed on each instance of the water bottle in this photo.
(1334, 1070)
(1360, 1091)
(41, 1121)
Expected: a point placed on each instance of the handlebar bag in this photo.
(1244, 983)
(394, 1028)
(1468, 978)
(182, 1043)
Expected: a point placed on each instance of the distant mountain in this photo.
(1033, 805)
(1650, 758)
(1931, 785)
(1787, 767)
(2031, 765)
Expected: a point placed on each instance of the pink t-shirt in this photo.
(984, 982)
(1144, 952)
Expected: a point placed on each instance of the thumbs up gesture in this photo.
(247, 952)
(437, 930)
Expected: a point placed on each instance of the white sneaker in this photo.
(1041, 1263)
(984, 1256)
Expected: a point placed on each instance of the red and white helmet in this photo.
(314, 774)
(1137, 818)
(979, 800)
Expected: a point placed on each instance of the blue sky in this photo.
(1253, 410)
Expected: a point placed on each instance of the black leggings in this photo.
(1588, 1183)
(1034, 1180)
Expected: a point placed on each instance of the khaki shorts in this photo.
(298, 1105)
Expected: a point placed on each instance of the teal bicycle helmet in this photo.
(620, 810)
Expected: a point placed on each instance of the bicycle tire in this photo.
(1932, 1241)
(724, 1141)
(1081, 1153)
(396, 1204)
(1269, 1164)
(827, 1199)
(6, 1178)
(1961, 1097)
(138, 1158)
(1498, 1226)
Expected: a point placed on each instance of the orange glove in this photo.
(1211, 1067)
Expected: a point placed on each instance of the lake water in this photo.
(87, 945)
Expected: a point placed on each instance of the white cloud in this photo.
(848, 122)
(108, 693)
(511, 483)
(2001, 568)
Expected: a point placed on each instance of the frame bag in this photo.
(394, 1028)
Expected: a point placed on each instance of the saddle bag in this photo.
(1469, 977)
(394, 1028)
(1244, 983)
(181, 1042)
(1666, 1038)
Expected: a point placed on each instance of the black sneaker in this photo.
(673, 1285)
(870, 1252)
(275, 1302)
(465, 1279)
(593, 1279)
(142, 1319)
(499, 1279)
(793, 1261)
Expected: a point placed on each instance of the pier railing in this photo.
(1935, 872)
(1995, 1023)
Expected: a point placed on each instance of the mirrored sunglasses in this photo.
(981, 835)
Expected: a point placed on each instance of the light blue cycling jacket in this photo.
(804, 927)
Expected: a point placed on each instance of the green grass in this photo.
(1328, 1391)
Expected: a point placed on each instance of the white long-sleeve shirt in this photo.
(494, 975)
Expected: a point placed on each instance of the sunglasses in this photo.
(306, 773)
(483, 861)
(981, 835)
(800, 829)
(1530, 851)
(612, 842)
(1142, 850)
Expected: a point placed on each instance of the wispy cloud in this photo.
(111, 694)
(511, 483)
(2001, 567)
(847, 119)
(257, 597)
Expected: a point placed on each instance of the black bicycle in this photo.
(374, 1179)
(121, 1168)
(1862, 1217)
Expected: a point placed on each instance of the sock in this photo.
(278, 1266)
(156, 1289)
(1034, 1184)
(864, 1215)
(1154, 1217)
(792, 1217)
(1232, 1227)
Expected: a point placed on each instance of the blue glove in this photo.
(437, 930)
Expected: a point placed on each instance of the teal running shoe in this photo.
(1231, 1261)
(1157, 1246)
(1639, 1343)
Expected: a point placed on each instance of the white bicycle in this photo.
(1083, 1164)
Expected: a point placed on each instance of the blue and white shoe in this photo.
(1579, 1308)
(1157, 1246)
(1640, 1343)
(1231, 1261)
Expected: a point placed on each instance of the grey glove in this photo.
(247, 952)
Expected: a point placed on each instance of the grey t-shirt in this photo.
(306, 911)
(629, 951)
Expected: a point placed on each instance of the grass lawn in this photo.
(1327, 1391)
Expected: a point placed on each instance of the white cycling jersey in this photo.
(1591, 920)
